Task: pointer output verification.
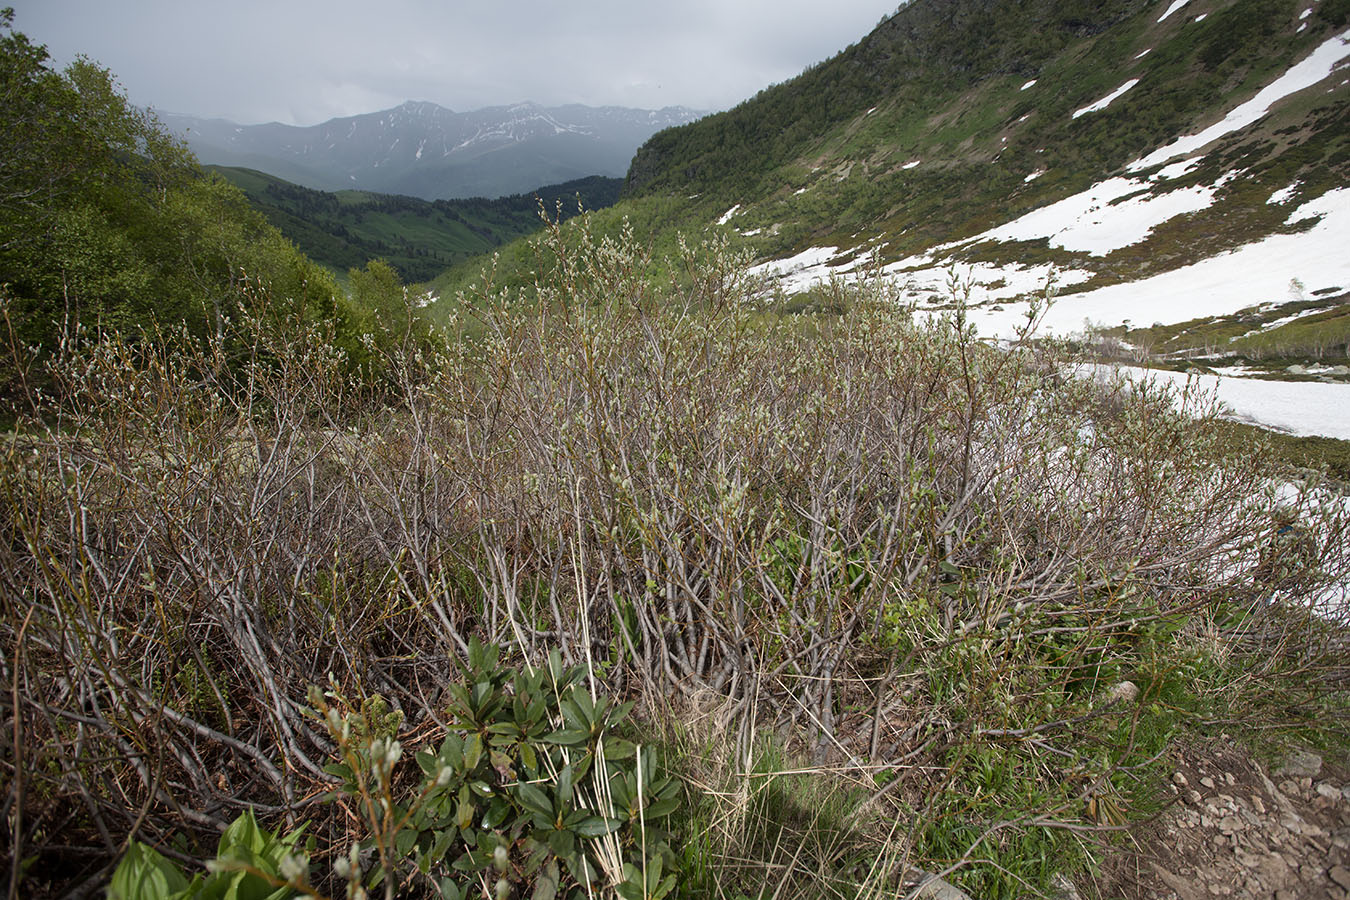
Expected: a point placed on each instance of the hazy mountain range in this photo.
(424, 150)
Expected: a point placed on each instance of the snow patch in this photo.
(918, 279)
(1033, 176)
(1317, 66)
(1336, 201)
(911, 164)
(1283, 195)
(1145, 53)
(726, 216)
(1200, 18)
(797, 273)
(1027, 85)
(1107, 100)
(1098, 221)
(1176, 170)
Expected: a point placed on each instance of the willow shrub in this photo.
(870, 532)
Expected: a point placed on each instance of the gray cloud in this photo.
(302, 61)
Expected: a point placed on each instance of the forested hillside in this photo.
(108, 224)
(419, 238)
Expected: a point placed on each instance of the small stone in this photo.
(1301, 764)
(1341, 876)
(1228, 777)
(1258, 804)
(933, 888)
(1193, 795)
(1179, 779)
(1207, 781)
(1285, 894)
(1124, 692)
(1230, 824)
(1064, 888)
(1331, 793)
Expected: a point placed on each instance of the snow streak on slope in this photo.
(1107, 100)
(1320, 64)
(1176, 5)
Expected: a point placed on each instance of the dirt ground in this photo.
(1239, 831)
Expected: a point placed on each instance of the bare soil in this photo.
(1239, 830)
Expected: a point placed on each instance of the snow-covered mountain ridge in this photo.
(425, 150)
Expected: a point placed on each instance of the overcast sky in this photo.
(305, 61)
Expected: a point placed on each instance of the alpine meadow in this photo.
(929, 478)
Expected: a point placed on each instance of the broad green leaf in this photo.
(562, 843)
(569, 737)
(473, 751)
(529, 758)
(464, 815)
(662, 808)
(618, 749)
(565, 786)
(546, 885)
(595, 826)
(243, 832)
(533, 798)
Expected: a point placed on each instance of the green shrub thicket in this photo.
(530, 793)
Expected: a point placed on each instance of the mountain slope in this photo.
(419, 238)
(427, 151)
(1109, 143)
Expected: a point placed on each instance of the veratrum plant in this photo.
(250, 862)
(529, 794)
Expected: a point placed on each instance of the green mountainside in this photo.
(419, 238)
(833, 152)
